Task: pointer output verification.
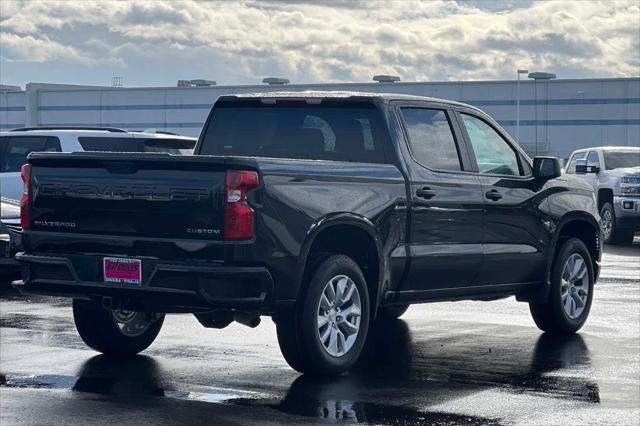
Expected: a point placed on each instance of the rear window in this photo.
(167, 145)
(344, 132)
(172, 146)
(15, 149)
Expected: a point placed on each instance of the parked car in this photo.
(322, 210)
(614, 174)
(16, 144)
(10, 236)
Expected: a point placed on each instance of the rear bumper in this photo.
(165, 287)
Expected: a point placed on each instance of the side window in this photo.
(17, 148)
(571, 166)
(593, 159)
(431, 138)
(493, 153)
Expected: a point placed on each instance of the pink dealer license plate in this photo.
(119, 270)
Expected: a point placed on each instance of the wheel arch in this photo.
(349, 234)
(605, 195)
(584, 227)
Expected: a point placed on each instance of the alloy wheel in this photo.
(575, 286)
(606, 224)
(131, 323)
(339, 312)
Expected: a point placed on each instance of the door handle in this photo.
(493, 195)
(425, 193)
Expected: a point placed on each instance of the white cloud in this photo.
(330, 41)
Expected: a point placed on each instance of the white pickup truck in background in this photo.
(614, 173)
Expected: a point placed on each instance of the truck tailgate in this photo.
(142, 195)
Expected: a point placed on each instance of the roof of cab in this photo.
(105, 133)
(609, 148)
(343, 95)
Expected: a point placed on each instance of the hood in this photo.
(9, 209)
(571, 181)
(625, 171)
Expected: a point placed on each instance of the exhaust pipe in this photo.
(250, 320)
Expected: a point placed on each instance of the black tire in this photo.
(551, 316)
(392, 311)
(298, 333)
(99, 330)
(614, 235)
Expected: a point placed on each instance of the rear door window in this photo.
(431, 138)
(15, 149)
(339, 132)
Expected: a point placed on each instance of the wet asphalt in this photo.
(442, 363)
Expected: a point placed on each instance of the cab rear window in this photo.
(341, 132)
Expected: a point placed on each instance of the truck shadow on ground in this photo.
(394, 375)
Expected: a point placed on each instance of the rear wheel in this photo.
(115, 332)
(571, 293)
(325, 332)
(611, 234)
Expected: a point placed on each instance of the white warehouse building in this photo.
(556, 116)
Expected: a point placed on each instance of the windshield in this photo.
(343, 132)
(621, 159)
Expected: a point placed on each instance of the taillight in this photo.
(25, 214)
(238, 215)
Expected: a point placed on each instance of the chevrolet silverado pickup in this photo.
(322, 210)
(614, 174)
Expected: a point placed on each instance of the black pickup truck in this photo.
(322, 210)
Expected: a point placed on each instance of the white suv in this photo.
(16, 144)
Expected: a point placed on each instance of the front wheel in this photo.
(115, 332)
(571, 292)
(611, 234)
(326, 331)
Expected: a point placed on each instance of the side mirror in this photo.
(581, 166)
(546, 168)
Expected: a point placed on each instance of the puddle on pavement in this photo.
(326, 410)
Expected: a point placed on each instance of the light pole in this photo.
(518, 105)
(546, 76)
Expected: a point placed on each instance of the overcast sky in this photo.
(158, 42)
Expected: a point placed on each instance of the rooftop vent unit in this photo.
(272, 81)
(9, 88)
(383, 78)
(196, 83)
(542, 75)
